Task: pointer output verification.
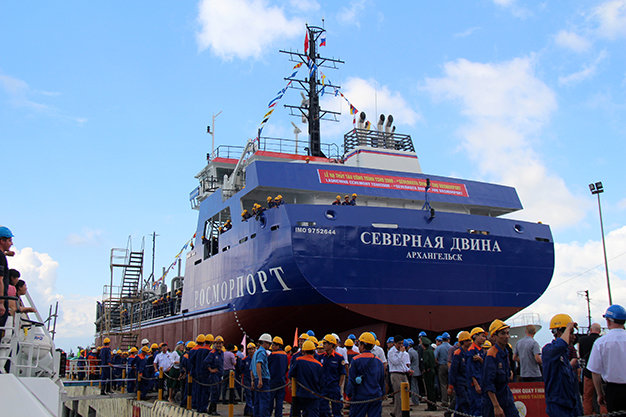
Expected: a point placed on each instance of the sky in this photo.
(104, 108)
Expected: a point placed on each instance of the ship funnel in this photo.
(389, 123)
(381, 121)
(361, 122)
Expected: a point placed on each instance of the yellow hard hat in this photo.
(477, 330)
(244, 212)
(133, 350)
(349, 343)
(191, 344)
(154, 346)
(338, 197)
(251, 345)
(320, 345)
(464, 335)
(235, 348)
(287, 348)
(377, 342)
(278, 340)
(209, 338)
(304, 336)
(353, 194)
(145, 349)
(346, 196)
(487, 344)
(218, 339)
(279, 197)
(560, 320)
(313, 339)
(367, 337)
(269, 198)
(308, 345)
(200, 338)
(497, 325)
(106, 340)
(330, 339)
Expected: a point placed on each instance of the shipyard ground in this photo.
(88, 403)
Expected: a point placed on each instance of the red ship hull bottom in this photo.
(322, 319)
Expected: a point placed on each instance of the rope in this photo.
(349, 402)
(252, 388)
(209, 385)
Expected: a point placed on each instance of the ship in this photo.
(416, 252)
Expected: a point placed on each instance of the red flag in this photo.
(295, 340)
(306, 43)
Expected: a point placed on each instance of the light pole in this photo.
(598, 189)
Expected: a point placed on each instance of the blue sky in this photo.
(104, 107)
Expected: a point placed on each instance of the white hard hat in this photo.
(265, 337)
(145, 342)
(336, 337)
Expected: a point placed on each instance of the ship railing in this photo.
(377, 139)
(226, 152)
(296, 147)
(27, 347)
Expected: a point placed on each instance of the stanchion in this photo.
(160, 384)
(138, 387)
(404, 396)
(231, 393)
(123, 382)
(189, 386)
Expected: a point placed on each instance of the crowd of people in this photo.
(347, 200)
(258, 209)
(471, 377)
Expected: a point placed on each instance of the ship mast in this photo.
(310, 108)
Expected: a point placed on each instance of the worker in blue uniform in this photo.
(149, 372)
(308, 373)
(118, 361)
(185, 370)
(131, 373)
(366, 379)
(475, 362)
(334, 376)
(246, 377)
(196, 357)
(458, 375)
(261, 374)
(561, 385)
(214, 364)
(140, 366)
(497, 396)
(278, 364)
(105, 363)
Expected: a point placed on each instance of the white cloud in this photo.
(349, 15)
(506, 106)
(611, 19)
(588, 71)
(622, 204)
(513, 7)
(467, 32)
(369, 97)
(87, 237)
(580, 267)
(76, 312)
(305, 5)
(572, 41)
(243, 28)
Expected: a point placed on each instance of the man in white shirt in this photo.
(399, 367)
(608, 361)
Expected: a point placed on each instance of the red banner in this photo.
(530, 398)
(390, 182)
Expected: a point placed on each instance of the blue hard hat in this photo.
(411, 342)
(439, 338)
(422, 333)
(615, 312)
(351, 336)
(445, 335)
(390, 340)
(311, 333)
(5, 232)
(180, 342)
(406, 343)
